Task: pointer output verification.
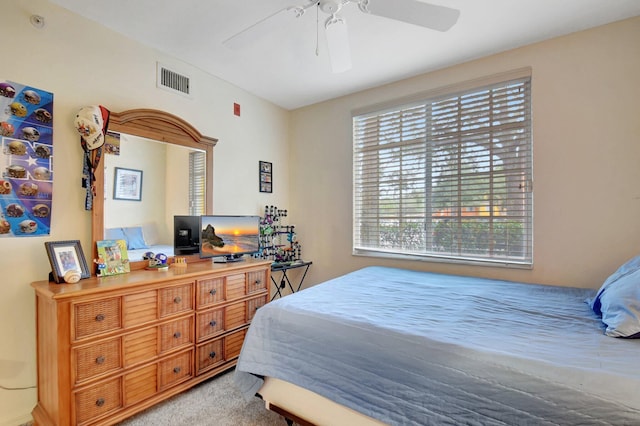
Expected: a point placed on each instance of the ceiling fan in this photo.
(415, 12)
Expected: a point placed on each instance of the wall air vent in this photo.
(173, 81)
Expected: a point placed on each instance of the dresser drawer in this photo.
(209, 355)
(235, 315)
(98, 400)
(210, 291)
(254, 304)
(97, 359)
(239, 314)
(257, 281)
(140, 308)
(233, 344)
(235, 286)
(140, 346)
(176, 333)
(175, 299)
(140, 384)
(96, 317)
(209, 323)
(176, 369)
(219, 351)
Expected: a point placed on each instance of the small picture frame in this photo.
(127, 184)
(66, 256)
(113, 258)
(266, 177)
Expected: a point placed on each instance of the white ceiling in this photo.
(282, 66)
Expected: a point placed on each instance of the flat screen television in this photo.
(186, 235)
(229, 238)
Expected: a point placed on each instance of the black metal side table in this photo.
(284, 279)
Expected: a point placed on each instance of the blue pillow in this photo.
(114, 234)
(135, 238)
(618, 301)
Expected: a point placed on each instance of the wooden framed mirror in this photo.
(158, 126)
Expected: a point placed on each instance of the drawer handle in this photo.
(177, 370)
(212, 354)
(258, 281)
(177, 334)
(100, 360)
(100, 402)
(213, 323)
(212, 291)
(177, 299)
(100, 317)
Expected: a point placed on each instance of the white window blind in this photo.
(447, 178)
(197, 183)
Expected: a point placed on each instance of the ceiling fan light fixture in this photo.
(330, 7)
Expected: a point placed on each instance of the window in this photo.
(197, 183)
(448, 177)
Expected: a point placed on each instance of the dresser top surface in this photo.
(96, 284)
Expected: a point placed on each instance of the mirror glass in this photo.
(153, 179)
(152, 184)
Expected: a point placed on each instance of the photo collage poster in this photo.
(26, 156)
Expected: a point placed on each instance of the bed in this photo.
(392, 346)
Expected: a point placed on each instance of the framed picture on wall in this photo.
(127, 184)
(266, 179)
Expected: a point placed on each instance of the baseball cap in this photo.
(91, 123)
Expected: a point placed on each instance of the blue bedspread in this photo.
(416, 348)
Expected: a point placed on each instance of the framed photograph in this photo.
(265, 166)
(127, 184)
(113, 257)
(265, 175)
(265, 187)
(66, 256)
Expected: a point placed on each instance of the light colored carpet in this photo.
(216, 402)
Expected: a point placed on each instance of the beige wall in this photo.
(586, 132)
(85, 64)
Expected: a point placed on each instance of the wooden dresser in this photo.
(110, 347)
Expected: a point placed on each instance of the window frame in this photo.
(428, 99)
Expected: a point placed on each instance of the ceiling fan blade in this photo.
(260, 28)
(338, 45)
(415, 12)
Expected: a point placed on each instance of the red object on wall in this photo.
(236, 109)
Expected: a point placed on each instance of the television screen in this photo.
(186, 235)
(229, 237)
